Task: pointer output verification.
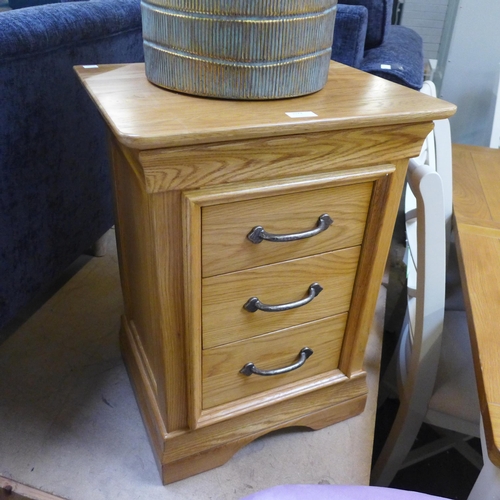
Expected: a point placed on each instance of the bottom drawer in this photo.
(223, 382)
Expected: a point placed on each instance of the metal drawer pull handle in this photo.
(250, 368)
(257, 234)
(255, 304)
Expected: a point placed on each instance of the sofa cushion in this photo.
(379, 19)
(349, 34)
(399, 59)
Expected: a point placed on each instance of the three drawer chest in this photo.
(252, 240)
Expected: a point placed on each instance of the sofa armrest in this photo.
(379, 19)
(25, 32)
(349, 34)
(399, 59)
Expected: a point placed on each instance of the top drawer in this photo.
(224, 227)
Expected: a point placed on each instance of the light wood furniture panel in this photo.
(476, 205)
(193, 177)
(292, 213)
(222, 381)
(223, 297)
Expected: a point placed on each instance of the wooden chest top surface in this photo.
(144, 116)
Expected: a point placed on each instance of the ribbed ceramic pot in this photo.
(238, 49)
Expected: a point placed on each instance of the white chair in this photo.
(487, 485)
(495, 129)
(435, 374)
(436, 152)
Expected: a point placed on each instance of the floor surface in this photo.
(70, 425)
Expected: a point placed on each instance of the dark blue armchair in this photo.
(364, 38)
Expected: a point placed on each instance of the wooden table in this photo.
(476, 200)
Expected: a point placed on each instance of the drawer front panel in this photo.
(225, 320)
(226, 248)
(223, 382)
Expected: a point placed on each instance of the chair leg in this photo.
(397, 446)
(388, 383)
(101, 247)
(487, 485)
(448, 439)
(469, 453)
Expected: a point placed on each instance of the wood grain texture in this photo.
(344, 198)
(183, 168)
(223, 382)
(218, 455)
(136, 257)
(476, 192)
(227, 226)
(478, 254)
(278, 157)
(284, 392)
(14, 490)
(279, 415)
(152, 414)
(149, 252)
(223, 297)
(379, 228)
(169, 302)
(143, 116)
(469, 199)
(483, 163)
(341, 398)
(191, 216)
(193, 203)
(242, 191)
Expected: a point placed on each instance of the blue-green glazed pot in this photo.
(238, 49)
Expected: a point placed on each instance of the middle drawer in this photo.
(225, 319)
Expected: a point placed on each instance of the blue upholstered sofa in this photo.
(364, 38)
(55, 195)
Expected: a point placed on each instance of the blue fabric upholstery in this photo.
(364, 38)
(20, 4)
(379, 19)
(55, 190)
(399, 59)
(350, 34)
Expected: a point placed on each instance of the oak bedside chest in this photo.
(252, 240)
